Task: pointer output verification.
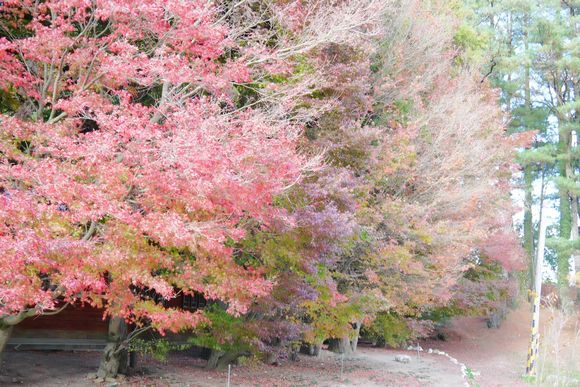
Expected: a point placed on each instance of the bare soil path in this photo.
(497, 354)
(370, 367)
(500, 355)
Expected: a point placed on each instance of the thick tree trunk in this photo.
(342, 345)
(333, 345)
(221, 359)
(114, 359)
(5, 333)
(133, 359)
(214, 359)
(311, 349)
(315, 349)
(354, 341)
(7, 324)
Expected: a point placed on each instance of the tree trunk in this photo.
(5, 333)
(575, 264)
(133, 359)
(333, 345)
(7, 324)
(221, 359)
(573, 231)
(577, 270)
(315, 349)
(311, 349)
(354, 341)
(214, 359)
(528, 173)
(565, 220)
(528, 224)
(341, 345)
(114, 358)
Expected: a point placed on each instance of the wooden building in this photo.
(78, 327)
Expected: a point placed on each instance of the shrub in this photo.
(387, 329)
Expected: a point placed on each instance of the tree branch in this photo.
(125, 343)
(164, 93)
(18, 318)
(57, 311)
(90, 231)
(493, 64)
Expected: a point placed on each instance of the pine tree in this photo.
(533, 59)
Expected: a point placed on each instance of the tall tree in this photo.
(545, 64)
(556, 32)
(127, 166)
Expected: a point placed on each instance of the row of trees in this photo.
(533, 49)
(306, 166)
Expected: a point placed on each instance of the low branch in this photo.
(493, 64)
(57, 118)
(125, 343)
(137, 332)
(17, 318)
(57, 311)
(164, 95)
(90, 231)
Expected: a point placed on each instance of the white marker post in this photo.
(229, 373)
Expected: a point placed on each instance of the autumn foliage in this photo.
(127, 165)
(306, 166)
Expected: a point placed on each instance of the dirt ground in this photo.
(498, 355)
(370, 367)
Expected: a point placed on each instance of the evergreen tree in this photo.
(532, 52)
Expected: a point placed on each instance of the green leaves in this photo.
(387, 329)
(563, 246)
(9, 101)
(544, 155)
(224, 332)
(157, 348)
(472, 43)
(567, 184)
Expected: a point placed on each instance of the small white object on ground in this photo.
(455, 361)
(403, 358)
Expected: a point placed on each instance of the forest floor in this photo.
(500, 355)
(493, 357)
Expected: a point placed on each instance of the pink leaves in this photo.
(171, 319)
(505, 248)
(148, 138)
(132, 167)
(372, 277)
